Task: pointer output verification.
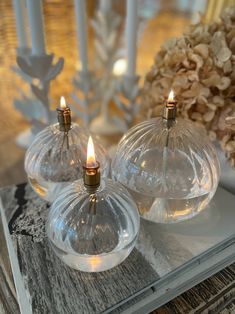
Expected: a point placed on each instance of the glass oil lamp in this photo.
(56, 156)
(93, 225)
(168, 165)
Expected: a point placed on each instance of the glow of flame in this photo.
(119, 67)
(171, 96)
(62, 103)
(95, 262)
(90, 161)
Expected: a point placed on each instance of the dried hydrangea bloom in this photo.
(200, 67)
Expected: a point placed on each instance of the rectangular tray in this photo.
(167, 260)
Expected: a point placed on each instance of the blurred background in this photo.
(158, 21)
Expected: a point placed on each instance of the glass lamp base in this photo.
(171, 172)
(93, 231)
(49, 191)
(167, 211)
(55, 159)
(94, 263)
(175, 210)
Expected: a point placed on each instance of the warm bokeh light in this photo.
(90, 162)
(171, 97)
(62, 103)
(119, 67)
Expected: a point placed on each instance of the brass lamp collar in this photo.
(64, 119)
(91, 177)
(170, 111)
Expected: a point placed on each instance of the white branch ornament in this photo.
(37, 108)
(126, 100)
(85, 97)
(106, 28)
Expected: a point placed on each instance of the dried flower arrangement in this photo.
(200, 67)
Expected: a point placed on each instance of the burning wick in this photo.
(90, 161)
(171, 98)
(91, 175)
(64, 116)
(169, 112)
(63, 103)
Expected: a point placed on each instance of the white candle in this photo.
(21, 24)
(36, 26)
(80, 13)
(131, 36)
(105, 5)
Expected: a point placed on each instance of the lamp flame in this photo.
(90, 161)
(171, 97)
(63, 103)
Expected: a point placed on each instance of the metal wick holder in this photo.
(43, 69)
(91, 177)
(170, 112)
(64, 119)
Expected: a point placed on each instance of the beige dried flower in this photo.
(200, 67)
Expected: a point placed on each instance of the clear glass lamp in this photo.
(93, 225)
(169, 166)
(56, 156)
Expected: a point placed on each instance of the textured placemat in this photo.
(53, 285)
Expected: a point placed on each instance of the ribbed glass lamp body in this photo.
(172, 173)
(51, 164)
(93, 232)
